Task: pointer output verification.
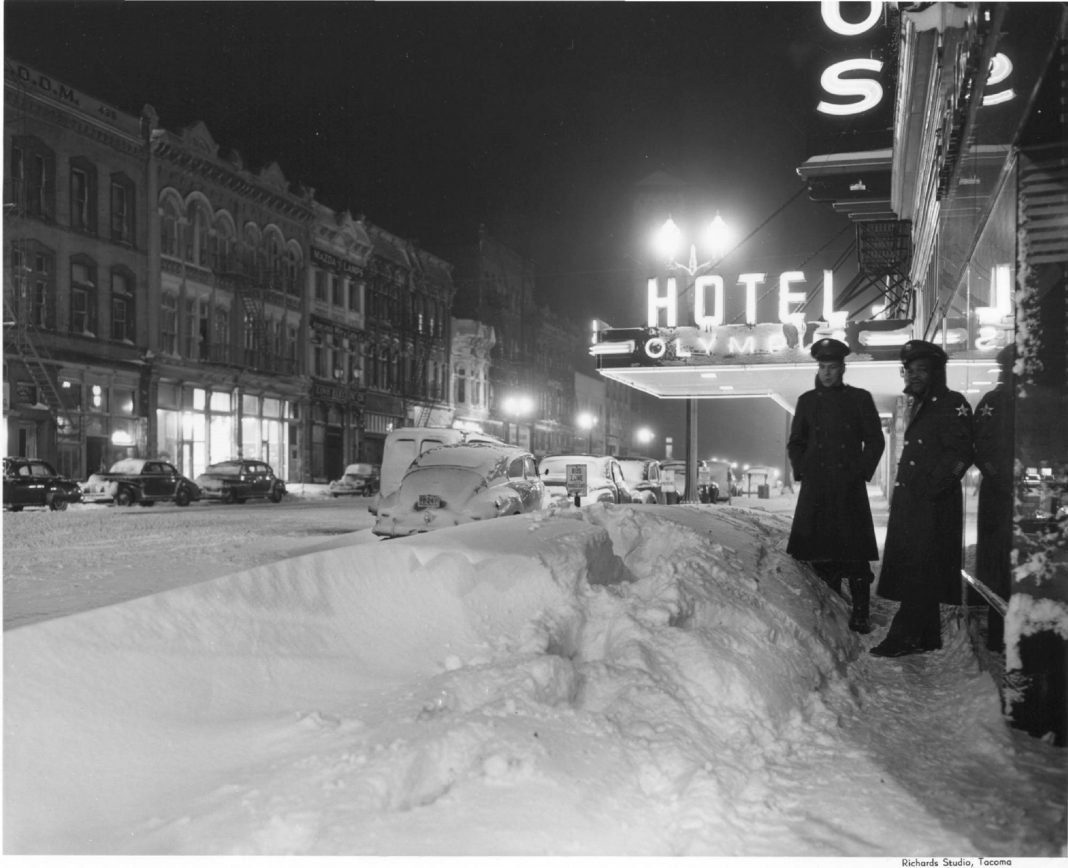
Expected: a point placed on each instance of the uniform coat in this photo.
(922, 555)
(994, 441)
(835, 444)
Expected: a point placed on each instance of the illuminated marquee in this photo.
(710, 313)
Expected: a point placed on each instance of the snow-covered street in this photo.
(634, 681)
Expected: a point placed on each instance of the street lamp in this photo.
(644, 436)
(668, 241)
(587, 421)
(516, 406)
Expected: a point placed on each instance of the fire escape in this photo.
(22, 340)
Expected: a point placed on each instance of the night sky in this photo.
(536, 119)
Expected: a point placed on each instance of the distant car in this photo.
(32, 482)
(460, 483)
(140, 480)
(643, 479)
(359, 479)
(238, 480)
(605, 482)
(674, 475)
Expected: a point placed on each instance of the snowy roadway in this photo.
(638, 681)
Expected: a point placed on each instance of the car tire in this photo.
(228, 497)
(57, 505)
(181, 497)
(124, 497)
(276, 495)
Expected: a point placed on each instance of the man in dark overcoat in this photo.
(835, 444)
(922, 556)
(994, 456)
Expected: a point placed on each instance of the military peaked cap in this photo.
(922, 350)
(829, 350)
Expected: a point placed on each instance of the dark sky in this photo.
(534, 118)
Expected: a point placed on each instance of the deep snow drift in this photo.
(606, 681)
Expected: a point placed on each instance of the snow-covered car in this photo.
(359, 479)
(32, 482)
(605, 482)
(643, 479)
(239, 479)
(140, 480)
(460, 483)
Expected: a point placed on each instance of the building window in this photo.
(221, 247)
(33, 173)
(337, 292)
(83, 296)
(82, 195)
(168, 324)
(189, 332)
(220, 335)
(292, 267)
(33, 275)
(122, 203)
(320, 285)
(196, 242)
(168, 228)
(122, 307)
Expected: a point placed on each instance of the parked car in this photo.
(32, 482)
(722, 478)
(404, 445)
(359, 479)
(140, 480)
(463, 482)
(673, 472)
(239, 479)
(643, 479)
(605, 482)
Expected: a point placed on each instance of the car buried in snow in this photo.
(238, 480)
(643, 479)
(33, 482)
(140, 480)
(464, 482)
(605, 482)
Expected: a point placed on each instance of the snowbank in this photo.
(611, 680)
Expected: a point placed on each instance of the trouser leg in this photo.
(860, 595)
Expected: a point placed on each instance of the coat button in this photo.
(906, 442)
(912, 463)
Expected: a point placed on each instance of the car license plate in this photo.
(429, 501)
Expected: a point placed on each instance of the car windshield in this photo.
(633, 471)
(225, 468)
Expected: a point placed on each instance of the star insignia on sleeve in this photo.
(963, 410)
(986, 410)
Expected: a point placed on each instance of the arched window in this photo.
(168, 228)
(196, 243)
(222, 244)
